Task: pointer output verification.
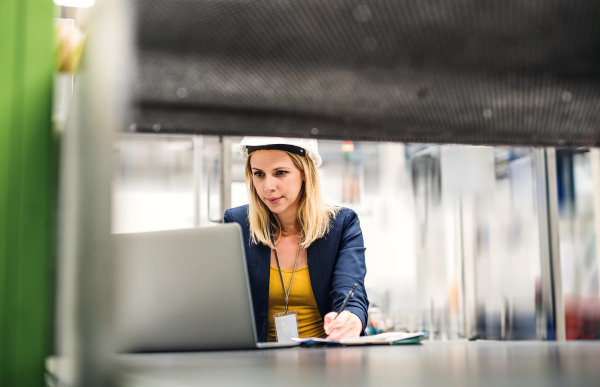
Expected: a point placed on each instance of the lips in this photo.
(274, 200)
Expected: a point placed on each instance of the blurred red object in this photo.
(347, 146)
(582, 318)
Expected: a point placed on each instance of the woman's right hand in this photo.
(346, 325)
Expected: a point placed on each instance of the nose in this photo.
(270, 184)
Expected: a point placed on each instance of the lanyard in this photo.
(287, 293)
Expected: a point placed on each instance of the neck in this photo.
(289, 225)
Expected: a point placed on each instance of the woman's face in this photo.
(277, 180)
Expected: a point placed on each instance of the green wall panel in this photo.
(7, 18)
(27, 190)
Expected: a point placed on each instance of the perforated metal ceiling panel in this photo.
(465, 71)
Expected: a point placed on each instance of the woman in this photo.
(292, 238)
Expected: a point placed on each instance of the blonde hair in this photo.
(313, 215)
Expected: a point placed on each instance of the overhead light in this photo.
(75, 3)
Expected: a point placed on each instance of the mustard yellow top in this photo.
(301, 299)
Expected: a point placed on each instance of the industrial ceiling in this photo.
(518, 72)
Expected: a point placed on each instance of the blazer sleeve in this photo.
(227, 216)
(350, 269)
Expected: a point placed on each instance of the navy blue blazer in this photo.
(335, 263)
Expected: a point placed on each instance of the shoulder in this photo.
(348, 226)
(236, 214)
(344, 217)
(344, 233)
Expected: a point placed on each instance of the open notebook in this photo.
(389, 338)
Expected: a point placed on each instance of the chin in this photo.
(276, 209)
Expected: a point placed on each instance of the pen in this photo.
(345, 303)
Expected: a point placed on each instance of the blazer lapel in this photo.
(316, 277)
(263, 272)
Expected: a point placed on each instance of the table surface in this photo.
(456, 363)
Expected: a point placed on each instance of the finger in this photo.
(352, 331)
(341, 320)
(340, 333)
(329, 317)
(351, 328)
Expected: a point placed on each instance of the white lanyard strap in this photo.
(287, 293)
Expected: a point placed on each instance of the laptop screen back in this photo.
(183, 290)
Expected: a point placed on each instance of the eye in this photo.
(258, 174)
(280, 173)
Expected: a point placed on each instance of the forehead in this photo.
(265, 159)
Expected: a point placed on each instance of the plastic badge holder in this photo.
(286, 326)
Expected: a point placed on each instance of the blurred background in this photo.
(456, 236)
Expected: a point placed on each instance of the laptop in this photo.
(184, 290)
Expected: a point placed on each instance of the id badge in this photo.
(286, 326)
